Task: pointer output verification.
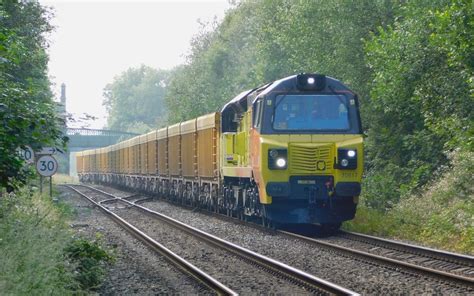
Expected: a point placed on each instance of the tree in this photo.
(260, 41)
(134, 100)
(27, 112)
(421, 97)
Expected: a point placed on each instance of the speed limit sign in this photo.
(27, 154)
(46, 165)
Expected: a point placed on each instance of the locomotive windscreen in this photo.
(311, 112)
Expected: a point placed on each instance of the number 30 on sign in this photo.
(46, 165)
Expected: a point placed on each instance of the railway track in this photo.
(457, 264)
(308, 283)
(448, 266)
(184, 265)
(452, 268)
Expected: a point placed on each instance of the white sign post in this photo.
(46, 166)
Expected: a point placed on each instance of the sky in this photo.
(96, 41)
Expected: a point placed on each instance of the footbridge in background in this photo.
(83, 139)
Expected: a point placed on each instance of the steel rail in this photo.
(453, 257)
(437, 273)
(184, 265)
(266, 262)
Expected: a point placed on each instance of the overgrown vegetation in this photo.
(89, 259)
(27, 112)
(38, 254)
(420, 125)
(441, 214)
(421, 97)
(32, 239)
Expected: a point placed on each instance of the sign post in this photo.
(46, 166)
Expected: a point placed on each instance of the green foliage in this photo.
(453, 32)
(134, 100)
(38, 254)
(379, 188)
(442, 215)
(259, 41)
(33, 235)
(421, 95)
(27, 113)
(89, 258)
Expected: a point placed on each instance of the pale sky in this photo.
(95, 41)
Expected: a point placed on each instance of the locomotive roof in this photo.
(289, 84)
(239, 102)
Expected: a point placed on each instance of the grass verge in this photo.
(37, 247)
(441, 216)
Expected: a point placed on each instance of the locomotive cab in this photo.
(306, 150)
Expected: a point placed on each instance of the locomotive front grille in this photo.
(310, 158)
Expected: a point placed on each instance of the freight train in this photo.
(290, 151)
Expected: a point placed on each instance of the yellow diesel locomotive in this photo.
(288, 152)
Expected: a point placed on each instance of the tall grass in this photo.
(441, 215)
(33, 235)
(39, 255)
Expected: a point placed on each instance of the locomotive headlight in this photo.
(277, 159)
(351, 153)
(281, 162)
(310, 82)
(346, 158)
(273, 153)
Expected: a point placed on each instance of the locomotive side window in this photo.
(258, 114)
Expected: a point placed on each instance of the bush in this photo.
(38, 255)
(441, 216)
(33, 235)
(89, 258)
